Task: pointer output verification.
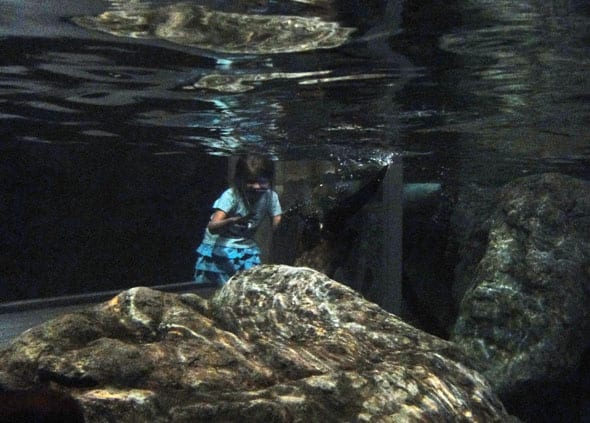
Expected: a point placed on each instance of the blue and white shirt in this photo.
(242, 235)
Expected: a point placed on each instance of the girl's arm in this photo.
(276, 220)
(220, 220)
(275, 210)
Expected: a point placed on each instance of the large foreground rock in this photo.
(526, 315)
(276, 344)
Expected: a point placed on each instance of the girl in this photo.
(228, 244)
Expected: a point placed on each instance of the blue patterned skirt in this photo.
(216, 264)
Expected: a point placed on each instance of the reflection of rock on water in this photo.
(198, 26)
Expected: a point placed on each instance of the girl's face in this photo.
(258, 185)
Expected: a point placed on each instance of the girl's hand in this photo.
(247, 217)
(220, 220)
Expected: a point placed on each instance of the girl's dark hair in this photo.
(251, 168)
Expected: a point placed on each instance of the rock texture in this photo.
(276, 344)
(526, 315)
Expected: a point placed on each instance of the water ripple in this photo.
(528, 66)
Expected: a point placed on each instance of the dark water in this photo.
(114, 146)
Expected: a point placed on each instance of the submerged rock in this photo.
(527, 311)
(276, 343)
